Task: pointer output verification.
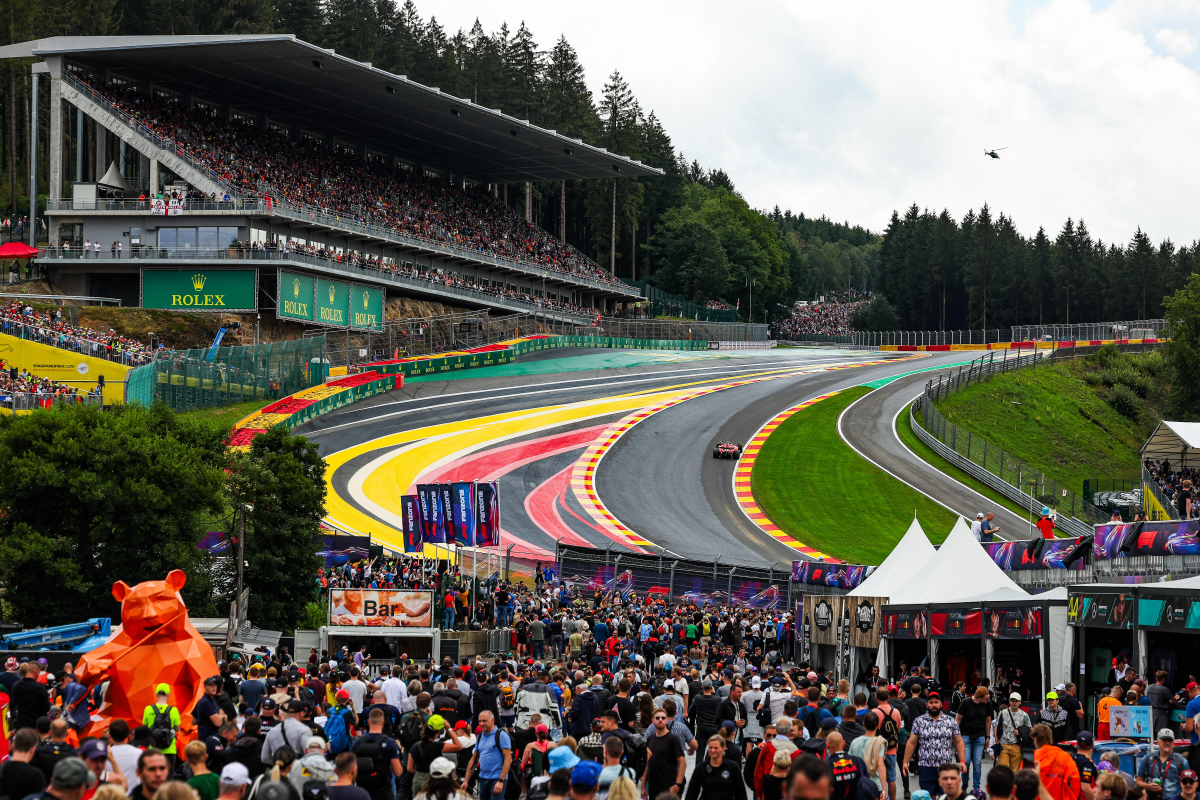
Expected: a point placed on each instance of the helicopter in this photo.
(995, 153)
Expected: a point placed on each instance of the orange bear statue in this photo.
(156, 644)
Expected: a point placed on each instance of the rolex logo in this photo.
(366, 299)
(198, 281)
(332, 293)
(296, 287)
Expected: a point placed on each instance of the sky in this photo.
(854, 109)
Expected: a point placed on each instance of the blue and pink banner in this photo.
(1133, 539)
(463, 514)
(821, 573)
(1054, 554)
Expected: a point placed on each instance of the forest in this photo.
(981, 272)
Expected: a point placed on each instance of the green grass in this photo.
(814, 487)
(1053, 419)
(927, 454)
(227, 415)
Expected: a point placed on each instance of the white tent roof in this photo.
(908, 557)
(113, 178)
(1173, 441)
(960, 571)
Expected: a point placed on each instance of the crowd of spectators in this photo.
(1180, 486)
(830, 317)
(308, 173)
(25, 382)
(21, 320)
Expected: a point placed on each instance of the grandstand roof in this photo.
(298, 84)
(1178, 442)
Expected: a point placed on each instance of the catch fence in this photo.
(676, 330)
(1084, 332)
(667, 576)
(207, 377)
(1017, 480)
(665, 304)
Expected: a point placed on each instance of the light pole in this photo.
(750, 314)
(241, 552)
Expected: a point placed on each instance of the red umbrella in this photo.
(17, 250)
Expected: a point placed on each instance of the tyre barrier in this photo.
(767, 345)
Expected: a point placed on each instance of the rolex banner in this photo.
(411, 522)
(366, 308)
(332, 303)
(199, 289)
(296, 296)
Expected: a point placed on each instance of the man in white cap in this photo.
(234, 779)
(753, 731)
(977, 527)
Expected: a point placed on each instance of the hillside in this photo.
(1074, 420)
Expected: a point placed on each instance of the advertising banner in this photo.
(445, 494)
(296, 296)
(1167, 538)
(425, 511)
(436, 523)
(1174, 613)
(200, 289)
(366, 307)
(955, 624)
(824, 613)
(487, 514)
(820, 573)
(1013, 623)
(1131, 722)
(1054, 554)
(410, 515)
(462, 513)
(83, 371)
(342, 549)
(905, 625)
(332, 303)
(381, 608)
(1100, 610)
(866, 615)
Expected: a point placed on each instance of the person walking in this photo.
(1009, 723)
(936, 740)
(974, 720)
(1158, 777)
(716, 777)
(1054, 766)
(493, 754)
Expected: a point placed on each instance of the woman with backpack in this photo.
(534, 761)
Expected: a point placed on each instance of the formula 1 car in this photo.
(727, 450)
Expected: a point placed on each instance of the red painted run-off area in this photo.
(490, 465)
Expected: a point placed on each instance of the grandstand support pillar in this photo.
(153, 176)
(56, 154)
(528, 201)
(101, 151)
(33, 158)
(79, 128)
(562, 214)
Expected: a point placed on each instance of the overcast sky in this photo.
(854, 109)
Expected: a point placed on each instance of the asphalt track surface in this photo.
(659, 479)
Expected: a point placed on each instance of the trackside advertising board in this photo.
(333, 303)
(296, 295)
(381, 608)
(366, 308)
(1129, 540)
(199, 289)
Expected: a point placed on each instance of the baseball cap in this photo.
(1166, 735)
(163, 688)
(933, 695)
(585, 773)
(1191, 685)
(1085, 738)
(442, 767)
(812, 676)
(669, 683)
(562, 758)
(542, 728)
(777, 681)
(1051, 695)
(1015, 696)
(755, 682)
(72, 772)
(236, 774)
(269, 703)
(341, 695)
(1062, 687)
(437, 722)
(728, 725)
(212, 681)
(828, 724)
(93, 748)
(295, 706)
(1187, 775)
(979, 515)
(314, 743)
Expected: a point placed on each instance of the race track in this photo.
(529, 424)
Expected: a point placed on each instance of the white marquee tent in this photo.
(908, 558)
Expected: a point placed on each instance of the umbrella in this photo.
(17, 250)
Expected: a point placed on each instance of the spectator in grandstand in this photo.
(829, 318)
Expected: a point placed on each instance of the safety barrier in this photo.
(767, 345)
(988, 463)
(1121, 330)
(449, 362)
(308, 404)
(215, 376)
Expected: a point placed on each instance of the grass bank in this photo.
(227, 415)
(1074, 420)
(814, 487)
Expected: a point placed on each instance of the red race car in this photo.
(727, 450)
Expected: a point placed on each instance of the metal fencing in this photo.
(31, 401)
(676, 330)
(1097, 331)
(1149, 482)
(1020, 482)
(110, 349)
(207, 377)
(665, 304)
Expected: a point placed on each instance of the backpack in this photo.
(411, 727)
(581, 719)
(889, 731)
(507, 697)
(812, 721)
(763, 715)
(337, 731)
(162, 732)
(635, 754)
(370, 762)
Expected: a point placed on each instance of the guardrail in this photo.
(990, 464)
(431, 285)
(1096, 331)
(95, 301)
(275, 205)
(735, 345)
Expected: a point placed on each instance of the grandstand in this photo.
(263, 159)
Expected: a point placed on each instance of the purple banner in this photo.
(586, 578)
(487, 511)
(821, 573)
(1054, 554)
(342, 548)
(1171, 538)
(412, 523)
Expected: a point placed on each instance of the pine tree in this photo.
(566, 100)
(522, 64)
(300, 17)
